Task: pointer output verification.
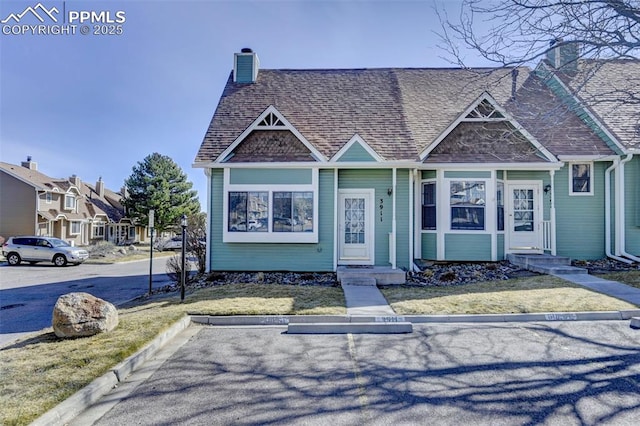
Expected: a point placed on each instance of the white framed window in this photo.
(48, 197)
(581, 178)
(429, 205)
(69, 202)
(467, 199)
(270, 213)
(132, 232)
(75, 227)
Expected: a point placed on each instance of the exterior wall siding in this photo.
(467, 247)
(17, 217)
(273, 257)
(356, 152)
(580, 221)
(429, 245)
(500, 242)
(632, 206)
(270, 176)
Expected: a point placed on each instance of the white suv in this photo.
(42, 249)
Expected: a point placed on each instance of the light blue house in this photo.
(311, 169)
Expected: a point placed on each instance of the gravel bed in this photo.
(437, 274)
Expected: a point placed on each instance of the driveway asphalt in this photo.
(566, 373)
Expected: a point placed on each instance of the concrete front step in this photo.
(358, 280)
(382, 275)
(526, 259)
(352, 327)
(555, 269)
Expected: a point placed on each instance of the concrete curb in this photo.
(352, 327)
(85, 397)
(635, 323)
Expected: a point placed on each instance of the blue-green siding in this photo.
(356, 152)
(580, 219)
(244, 69)
(381, 181)
(273, 257)
(270, 176)
(500, 242)
(467, 247)
(428, 174)
(429, 246)
(467, 174)
(632, 204)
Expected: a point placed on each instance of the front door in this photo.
(355, 227)
(524, 218)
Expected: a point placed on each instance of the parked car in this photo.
(174, 243)
(35, 249)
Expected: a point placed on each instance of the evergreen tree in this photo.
(158, 183)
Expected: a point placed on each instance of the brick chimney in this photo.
(31, 165)
(245, 66)
(100, 187)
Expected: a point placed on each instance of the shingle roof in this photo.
(399, 112)
(611, 90)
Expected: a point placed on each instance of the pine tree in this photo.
(158, 183)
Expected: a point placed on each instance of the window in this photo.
(467, 200)
(500, 205)
(429, 205)
(75, 228)
(98, 230)
(248, 211)
(132, 232)
(581, 179)
(69, 202)
(293, 211)
(48, 198)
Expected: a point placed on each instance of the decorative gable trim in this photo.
(485, 109)
(357, 139)
(270, 119)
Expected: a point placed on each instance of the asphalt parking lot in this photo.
(560, 373)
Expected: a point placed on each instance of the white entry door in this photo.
(356, 226)
(524, 218)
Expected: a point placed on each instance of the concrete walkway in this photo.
(368, 300)
(610, 288)
(365, 300)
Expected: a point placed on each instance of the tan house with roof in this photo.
(32, 203)
(312, 169)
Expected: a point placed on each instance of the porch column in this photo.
(552, 213)
(394, 245)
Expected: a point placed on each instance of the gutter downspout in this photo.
(621, 214)
(411, 218)
(207, 264)
(607, 213)
(552, 212)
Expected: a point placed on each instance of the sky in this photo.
(95, 105)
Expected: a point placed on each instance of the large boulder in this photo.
(81, 314)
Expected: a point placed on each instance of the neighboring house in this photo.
(312, 169)
(32, 203)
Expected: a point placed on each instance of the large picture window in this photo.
(467, 201)
(581, 179)
(270, 206)
(292, 211)
(429, 205)
(75, 228)
(248, 211)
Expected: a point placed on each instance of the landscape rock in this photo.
(82, 314)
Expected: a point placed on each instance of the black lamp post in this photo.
(151, 217)
(184, 246)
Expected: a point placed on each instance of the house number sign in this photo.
(381, 207)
